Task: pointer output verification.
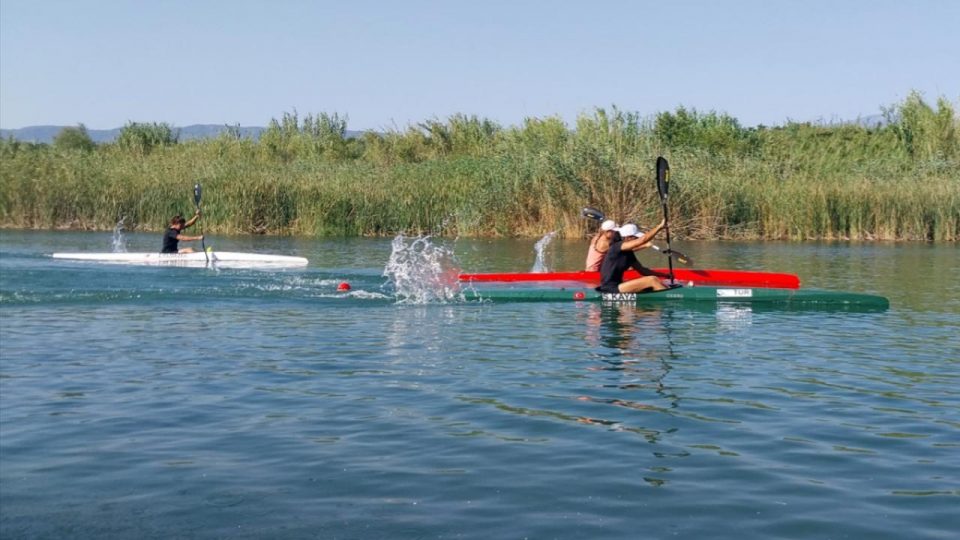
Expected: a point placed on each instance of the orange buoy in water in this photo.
(343, 286)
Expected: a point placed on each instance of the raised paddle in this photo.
(663, 188)
(593, 213)
(197, 192)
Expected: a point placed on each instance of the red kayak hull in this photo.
(698, 277)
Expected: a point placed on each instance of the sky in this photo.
(394, 63)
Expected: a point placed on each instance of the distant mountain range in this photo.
(45, 134)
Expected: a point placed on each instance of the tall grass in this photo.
(470, 176)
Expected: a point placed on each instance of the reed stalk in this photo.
(469, 176)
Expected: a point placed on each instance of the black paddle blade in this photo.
(592, 213)
(680, 257)
(196, 194)
(663, 177)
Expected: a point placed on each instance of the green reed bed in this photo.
(468, 176)
(755, 200)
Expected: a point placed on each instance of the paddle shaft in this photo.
(663, 187)
(197, 193)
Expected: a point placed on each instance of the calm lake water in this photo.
(157, 402)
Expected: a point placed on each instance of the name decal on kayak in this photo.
(619, 297)
(734, 293)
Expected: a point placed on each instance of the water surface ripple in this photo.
(175, 402)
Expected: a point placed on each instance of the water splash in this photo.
(445, 224)
(422, 272)
(119, 241)
(540, 247)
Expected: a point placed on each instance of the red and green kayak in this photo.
(701, 295)
(725, 278)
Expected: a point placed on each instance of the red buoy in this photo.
(579, 295)
(344, 286)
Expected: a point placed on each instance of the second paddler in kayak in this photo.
(621, 255)
(599, 245)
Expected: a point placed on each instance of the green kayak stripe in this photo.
(714, 295)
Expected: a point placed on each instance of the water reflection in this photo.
(624, 335)
(734, 316)
(631, 351)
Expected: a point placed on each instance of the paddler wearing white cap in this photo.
(621, 255)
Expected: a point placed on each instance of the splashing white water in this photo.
(119, 241)
(540, 265)
(422, 272)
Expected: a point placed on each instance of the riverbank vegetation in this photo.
(898, 179)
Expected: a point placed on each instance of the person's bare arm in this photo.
(192, 220)
(644, 241)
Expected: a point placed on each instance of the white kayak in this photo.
(220, 259)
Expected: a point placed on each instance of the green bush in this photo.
(74, 138)
(141, 138)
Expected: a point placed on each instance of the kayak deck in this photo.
(726, 278)
(217, 258)
(700, 295)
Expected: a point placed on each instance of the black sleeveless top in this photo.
(615, 263)
(170, 241)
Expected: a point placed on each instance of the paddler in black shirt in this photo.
(172, 237)
(621, 256)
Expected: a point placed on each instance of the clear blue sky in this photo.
(387, 64)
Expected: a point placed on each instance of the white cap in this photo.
(608, 225)
(629, 230)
